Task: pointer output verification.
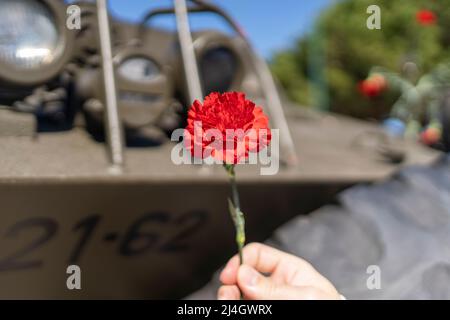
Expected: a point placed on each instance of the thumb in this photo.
(255, 286)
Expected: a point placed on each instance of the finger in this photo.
(228, 276)
(284, 268)
(263, 258)
(255, 286)
(228, 293)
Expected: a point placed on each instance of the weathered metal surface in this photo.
(148, 240)
(325, 147)
(16, 124)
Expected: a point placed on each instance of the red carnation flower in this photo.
(227, 127)
(425, 17)
(430, 136)
(372, 86)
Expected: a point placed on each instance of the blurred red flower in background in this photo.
(221, 116)
(430, 136)
(372, 86)
(425, 17)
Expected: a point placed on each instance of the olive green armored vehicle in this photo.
(87, 177)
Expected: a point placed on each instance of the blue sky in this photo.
(270, 24)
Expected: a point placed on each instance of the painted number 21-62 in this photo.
(138, 238)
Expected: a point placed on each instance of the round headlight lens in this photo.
(28, 34)
(138, 69)
(218, 69)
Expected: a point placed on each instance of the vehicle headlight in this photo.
(143, 85)
(138, 69)
(218, 69)
(34, 41)
(28, 33)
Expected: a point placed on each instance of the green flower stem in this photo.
(236, 213)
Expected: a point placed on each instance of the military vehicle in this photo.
(86, 176)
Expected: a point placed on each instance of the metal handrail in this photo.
(114, 132)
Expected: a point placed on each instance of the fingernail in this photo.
(248, 276)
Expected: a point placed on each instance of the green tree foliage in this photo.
(323, 68)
